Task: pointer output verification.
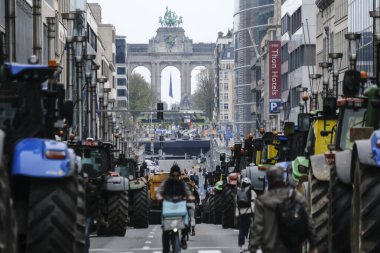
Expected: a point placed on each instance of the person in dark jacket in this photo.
(173, 189)
(264, 229)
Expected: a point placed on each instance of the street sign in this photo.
(274, 106)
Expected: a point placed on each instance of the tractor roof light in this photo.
(336, 61)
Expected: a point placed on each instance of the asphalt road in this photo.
(208, 239)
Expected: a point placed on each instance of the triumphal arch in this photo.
(170, 47)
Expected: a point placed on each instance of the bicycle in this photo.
(174, 218)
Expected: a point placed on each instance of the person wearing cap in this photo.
(174, 189)
(264, 229)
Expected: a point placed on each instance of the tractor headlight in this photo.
(130, 177)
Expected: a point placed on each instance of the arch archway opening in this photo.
(171, 97)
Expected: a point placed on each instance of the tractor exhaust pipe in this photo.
(37, 26)
(10, 29)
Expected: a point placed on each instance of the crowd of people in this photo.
(262, 219)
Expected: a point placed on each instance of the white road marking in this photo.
(150, 236)
(209, 251)
(148, 242)
(145, 247)
(151, 232)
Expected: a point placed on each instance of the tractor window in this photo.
(97, 162)
(351, 119)
(7, 114)
(125, 169)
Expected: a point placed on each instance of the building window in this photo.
(121, 93)
(225, 106)
(295, 96)
(225, 96)
(92, 39)
(225, 117)
(121, 82)
(296, 20)
(225, 86)
(121, 71)
(284, 53)
(284, 82)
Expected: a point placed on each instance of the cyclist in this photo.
(175, 190)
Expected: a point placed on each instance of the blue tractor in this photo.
(42, 204)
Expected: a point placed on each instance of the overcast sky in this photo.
(138, 21)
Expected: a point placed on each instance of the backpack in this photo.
(293, 222)
(244, 197)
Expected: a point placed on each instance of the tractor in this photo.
(109, 203)
(139, 202)
(41, 188)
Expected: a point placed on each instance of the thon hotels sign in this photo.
(274, 48)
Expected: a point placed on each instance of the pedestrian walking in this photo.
(245, 199)
(269, 224)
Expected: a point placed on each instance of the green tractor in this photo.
(139, 202)
(108, 199)
(353, 179)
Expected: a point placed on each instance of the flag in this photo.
(170, 87)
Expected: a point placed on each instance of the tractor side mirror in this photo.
(68, 111)
(289, 128)
(304, 120)
(329, 106)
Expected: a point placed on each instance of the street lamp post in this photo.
(79, 65)
(89, 62)
(353, 39)
(336, 61)
(94, 68)
(70, 17)
(325, 77)
(314, 86)
(376, 40)
(101, 81)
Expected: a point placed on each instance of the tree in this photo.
(141, 95)
(204, 95)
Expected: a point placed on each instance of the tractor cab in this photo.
(96, 156)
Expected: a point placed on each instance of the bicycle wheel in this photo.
(176, 247)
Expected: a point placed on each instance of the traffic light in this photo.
(160, 109)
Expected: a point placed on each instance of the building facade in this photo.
(250, 25)
(359, 21)
(332, 25)
(121, 73)
(225, 84)
(298, 39)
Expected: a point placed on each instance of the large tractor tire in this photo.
(319, 212)
(117, 213)
(365, 209)
(212, 209)
(140, 217)
(228, 216)
(80, 236)
(8, 233)
(340, 195)
(206, 212)
(218, 209)
(52, 215)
